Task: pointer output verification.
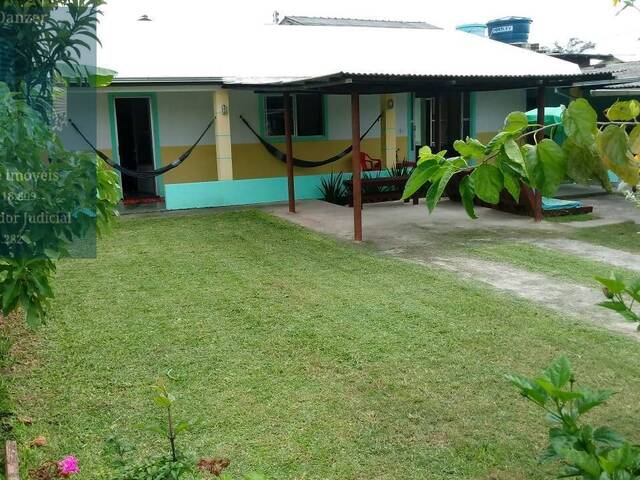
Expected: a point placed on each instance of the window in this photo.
(307, 119)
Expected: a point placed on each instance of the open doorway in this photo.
(135, 146)
(455, 121)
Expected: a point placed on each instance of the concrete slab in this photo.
(398, 224)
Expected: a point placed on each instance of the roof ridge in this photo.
(354, 18)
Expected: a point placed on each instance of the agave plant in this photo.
(332, 188)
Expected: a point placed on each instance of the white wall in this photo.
(245, 103)
(183, 116)
(90, 112)
(493, 107)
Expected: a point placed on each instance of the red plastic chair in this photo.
(368, 164)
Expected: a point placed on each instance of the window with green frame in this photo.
(308, 119)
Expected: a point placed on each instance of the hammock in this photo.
(304, 163)
(152, 173)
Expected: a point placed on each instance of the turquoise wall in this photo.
(223, 193)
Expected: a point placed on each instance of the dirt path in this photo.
(564, 297)
(589, 251)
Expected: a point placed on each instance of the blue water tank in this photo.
(479, 29)
(510, 29)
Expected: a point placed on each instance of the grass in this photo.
(299, 356)
(584, 217)
(552, 263)
(624, 236)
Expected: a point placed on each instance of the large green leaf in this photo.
(591, 399)
(512, 185)
(559, 372)
(533, 169)
(437, 188)
(634, 140)
(488, 182)
(608, 437)
(424, 154)
(614, 282)
(497, 142)
(553, 161)
(516, 122)
(580, 122)
(615, 150)
(512, 150)
(584, 164)
(623, 111)
(585, 462)
(528, 388)
(467, 193)
(471, 148)
(420, 176)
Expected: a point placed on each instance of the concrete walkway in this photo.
(588, 251)
(558, 295)
(410, 233)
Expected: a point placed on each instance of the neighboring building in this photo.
(625, 82)
(170, 86)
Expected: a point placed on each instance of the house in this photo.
(416, 86)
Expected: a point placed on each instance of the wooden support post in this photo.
(289, 147)
(537, 206)
(12, 470)
(437, 130)
(355, 162)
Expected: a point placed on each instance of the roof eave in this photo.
(157, 81)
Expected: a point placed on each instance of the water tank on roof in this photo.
(510, 29)
(479, 29)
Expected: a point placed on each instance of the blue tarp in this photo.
(557, 204)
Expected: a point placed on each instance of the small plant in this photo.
(400, 170)
(585, 451)
(332, 189)
(172, 466)
(622, 295)
(166, 467)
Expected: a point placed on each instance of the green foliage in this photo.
(36, 50)
(586, 452)
(623, 111)
(50, 197)
(621, 295)
(550, 167)
(172, 466)
(504, 164)
(580, 122)
(399, 170)
(332, 189)
(614, 146)
(167, 467)
(489, 182)
(161, 468)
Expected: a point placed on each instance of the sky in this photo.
(553, 20)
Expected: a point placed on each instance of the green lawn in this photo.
(552, 263)
(623, 236)
(300, 357)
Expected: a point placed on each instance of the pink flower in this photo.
(68, 466)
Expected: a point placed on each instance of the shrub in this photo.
(587, 452)
(333, 190)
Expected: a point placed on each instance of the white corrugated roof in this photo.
(162, 49)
